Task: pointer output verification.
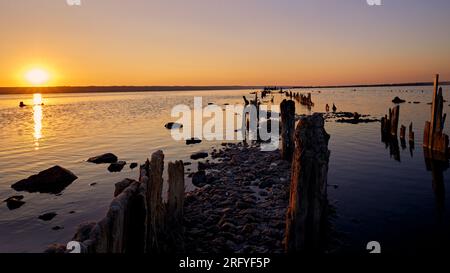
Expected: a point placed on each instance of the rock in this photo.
(56, 249)
(187, 163)
(173, 125)
(21, 104)
(14, 202)
(133, 165)
(121, 186)
(199, 179)
(83, 232)
(248, 228)
(47, 216)
(227, 226)
(193, 141)
(104, 158)
(267, 183)
(398, 100)
(57, 228)
(93, 184)
(53, 180)
(242, 205)
(199, 155)
(202, 166)
(117, 167)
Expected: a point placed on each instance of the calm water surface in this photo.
(375, 196)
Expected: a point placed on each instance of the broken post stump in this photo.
(287, 108)
(306, 213)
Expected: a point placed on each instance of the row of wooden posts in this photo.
(139, 221)
(306, 145)
(389, 126)
(435, 142)
(300, 98)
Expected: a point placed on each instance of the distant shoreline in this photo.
(112, 89)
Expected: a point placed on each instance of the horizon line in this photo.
(143, 88)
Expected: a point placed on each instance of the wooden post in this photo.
(434, 110)
(411, 134)
(402, 132)
(175, 205)
(308, 189)
(287, 108)
(155, 207)
(394, 120)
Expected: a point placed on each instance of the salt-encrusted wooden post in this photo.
(175, 205)
(308, 190)
(434, 139)
(287, 108)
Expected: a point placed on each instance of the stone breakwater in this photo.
(242, 206)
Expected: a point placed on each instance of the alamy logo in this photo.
(73, 2)
(374, 247)
(374, 2)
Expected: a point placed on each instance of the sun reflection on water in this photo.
(37, 117)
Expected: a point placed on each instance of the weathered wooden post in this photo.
(155, 206)
(287, 108)
(175, 205)
(308, 191)
(394, 120)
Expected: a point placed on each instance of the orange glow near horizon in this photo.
(213, 42)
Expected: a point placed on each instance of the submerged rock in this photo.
(47, 216)
(193, 141)
(199, 155)
(53, 180)
(104, 158)
(14, 202)
(173, 125)
(117, 167)
(398, 100)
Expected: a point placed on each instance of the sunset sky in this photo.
(224, 42)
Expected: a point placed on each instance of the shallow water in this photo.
(376, 198)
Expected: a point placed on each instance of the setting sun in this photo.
(37, 76)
